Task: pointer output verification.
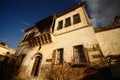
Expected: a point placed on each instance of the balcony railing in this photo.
(40, 40)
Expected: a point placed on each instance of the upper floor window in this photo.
(67, 22)
(60, 25)
(79, 55)
(31, 35)
(76, 18)
(58, 56)
(25, 38)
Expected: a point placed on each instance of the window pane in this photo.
(59, 56)
(67, 22)
(60, 25)
(76, 18)
(79, 54)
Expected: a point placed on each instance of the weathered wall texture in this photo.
(84, 36)
(109, 41)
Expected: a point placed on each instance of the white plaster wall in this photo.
(26, 66)
(82, 36)
(109, 41)
(47, 51)
(83, 17)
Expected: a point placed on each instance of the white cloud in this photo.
(23, 21)
(103, 11)
(26, 23)
(22, 30)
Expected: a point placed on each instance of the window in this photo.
(58, 56)
(36, 65)
(25, 38)
(67, 22)
(30, 36)
(60, 25)
(76, 18)
(79, 56)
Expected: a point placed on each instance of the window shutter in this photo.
(19, 60)
(53, 56)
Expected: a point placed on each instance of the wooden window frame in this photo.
(24, 39)
(60, 25)
(67, 22)
(79, 62)
(76, 18)
(31, 35)
(55, 57)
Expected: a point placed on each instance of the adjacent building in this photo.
(5, 54)
(109, 40)
(4, 49)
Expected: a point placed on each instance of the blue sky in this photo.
(18, 15)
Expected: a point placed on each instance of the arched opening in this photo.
(36, 65)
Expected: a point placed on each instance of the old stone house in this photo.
(65, 39)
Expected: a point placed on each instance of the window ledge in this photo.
(68, 29)
(58, 64)
(78, 64)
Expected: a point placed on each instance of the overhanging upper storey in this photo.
(71, 19)
(41, 40)
(40, 33)
(29, 34)
(46, 25)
